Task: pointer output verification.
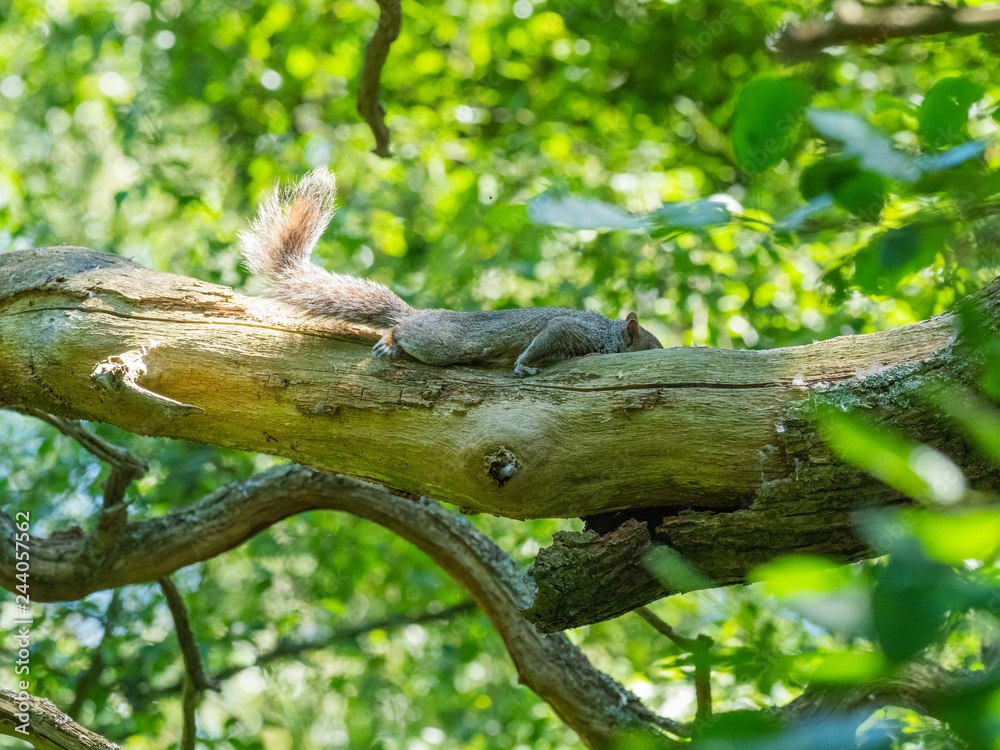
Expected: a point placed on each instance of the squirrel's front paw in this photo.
(523, 371)
(386, 346)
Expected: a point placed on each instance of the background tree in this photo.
(150, 129)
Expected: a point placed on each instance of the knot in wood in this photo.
(503, 466)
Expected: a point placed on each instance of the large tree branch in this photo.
(586, 577)
(854, 23)
(94, 336)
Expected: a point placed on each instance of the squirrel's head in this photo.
(637, 338)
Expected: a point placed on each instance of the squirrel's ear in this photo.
(631, 327)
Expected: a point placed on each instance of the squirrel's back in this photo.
(279, 243)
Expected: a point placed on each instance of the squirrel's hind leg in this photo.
(386, 346)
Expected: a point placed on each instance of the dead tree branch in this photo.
(320, 398)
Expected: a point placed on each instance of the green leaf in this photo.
(549, 209)
(824, 176)
(952, 539)
(510, 218)
(894, 114)
(989, 378)
(979, 333)
(944, 113)
(862, 193)
(842, 667)
(979, 420)
(674, 571)
(912, 600)
(874, 151)
(916, 470)
(767, 121)
(820, 590)
(895, 254)
(794, 574)
(580, 213)
(952, 157)
(690, 215)
(797, 217)
(741, 724)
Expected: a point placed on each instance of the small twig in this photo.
(854, 23)
(189, 706)
(124, 468)
(189, 648)
(286, 648)
(106, 452)
(688, 644)
(89, 679)
(390, 20)
(700, 649)
(702, 658)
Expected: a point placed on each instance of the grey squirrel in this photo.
(278, 246)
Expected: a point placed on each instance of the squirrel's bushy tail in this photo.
(278, 246)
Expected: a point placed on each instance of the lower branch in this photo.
(70, 566)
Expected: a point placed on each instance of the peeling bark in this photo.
(813, 511)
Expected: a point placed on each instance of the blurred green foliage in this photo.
(150, 129)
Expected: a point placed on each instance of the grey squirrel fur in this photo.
(278, 246)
